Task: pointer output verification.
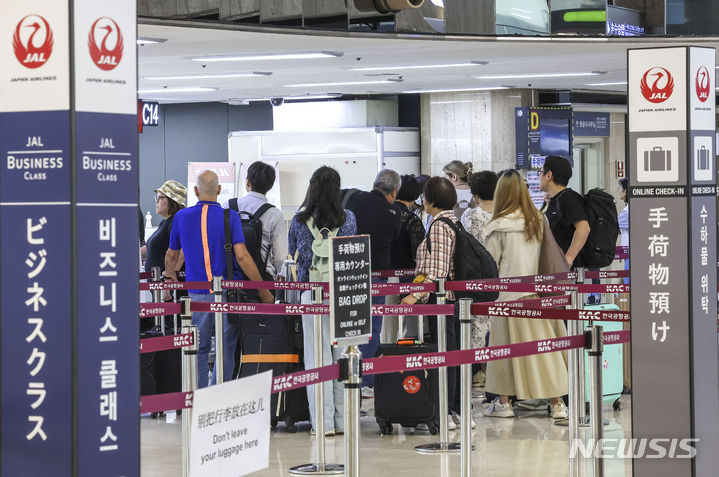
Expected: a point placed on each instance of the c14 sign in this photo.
(150, 113)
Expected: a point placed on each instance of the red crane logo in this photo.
(702, 84)
(105, 58)
(662, 85)
(27, 52)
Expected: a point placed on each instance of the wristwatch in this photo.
(417, 295)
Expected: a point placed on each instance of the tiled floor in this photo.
(528, 445)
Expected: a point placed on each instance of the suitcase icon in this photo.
(703, 159)
(658, 159)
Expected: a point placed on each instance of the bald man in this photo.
(199, 232)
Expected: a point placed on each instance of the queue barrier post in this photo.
(319, 467)
(583, 419)
(575, 391)
(443, 446)
(219, 335)
(157, 295)
(189, 379)
(595, 346)
(351, 374)
(465, 322)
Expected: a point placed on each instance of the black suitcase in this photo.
(407, 398)
(275, 343)
(161, 371)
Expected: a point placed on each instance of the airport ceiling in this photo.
(175, 71)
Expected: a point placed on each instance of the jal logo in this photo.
(412, 384)
(104, 34)
(657, 85)
(33, 41)
(702, 84)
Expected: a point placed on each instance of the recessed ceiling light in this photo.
(539, 75)
(208, 76)
(313, 96)
(194, 89)
(418, 67)
(342, 83)
(299, 55)
(609, 83)
(453, 90)
(147, 41)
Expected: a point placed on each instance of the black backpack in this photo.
(471, 261)
(599, 249)
(252, 231)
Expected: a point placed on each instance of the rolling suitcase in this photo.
(275, 343)
(612, 361)
(161, 371)
(406, 398)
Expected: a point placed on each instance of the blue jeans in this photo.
(333, 402)
(205, 322)
(370, 349)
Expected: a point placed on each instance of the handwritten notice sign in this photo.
(350, 290)
(230, 436)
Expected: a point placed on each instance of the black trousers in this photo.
(453, 342)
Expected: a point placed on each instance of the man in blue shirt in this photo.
(199, 232)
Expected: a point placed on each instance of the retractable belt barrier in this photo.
(395, 364)
(497, 285)
(164, 343)
(159, 309)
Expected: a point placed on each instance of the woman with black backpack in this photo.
(321, 216)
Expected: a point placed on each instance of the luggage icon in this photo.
(658, 159)
(703, 159)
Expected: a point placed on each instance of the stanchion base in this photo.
(565, 423)
(440, 448)
(318, 469)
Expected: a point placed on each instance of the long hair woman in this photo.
(514, 238)
(321, 213)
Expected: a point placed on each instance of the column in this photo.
(69, 238)
(476, 126)
(672, 178)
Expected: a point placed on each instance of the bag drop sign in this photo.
(350, 290)
(230, 428)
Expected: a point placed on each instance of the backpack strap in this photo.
(232, 203)
(441, 219)
(263, 208)
(228, 245)
(347, 197)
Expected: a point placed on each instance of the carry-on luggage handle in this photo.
(657, 148)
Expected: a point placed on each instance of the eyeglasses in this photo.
(158, 197)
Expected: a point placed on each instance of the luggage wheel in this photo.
(273, 423)
(618, 405)
(385, 428)
(433, 428)
(290, 425)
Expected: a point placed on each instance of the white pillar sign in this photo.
(673, 228)
(231, 428)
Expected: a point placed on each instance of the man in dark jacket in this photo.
(377, 218)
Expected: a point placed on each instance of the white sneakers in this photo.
(497, 409)
(559, 410)
(454, 420)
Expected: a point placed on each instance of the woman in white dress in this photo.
(474, 220)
